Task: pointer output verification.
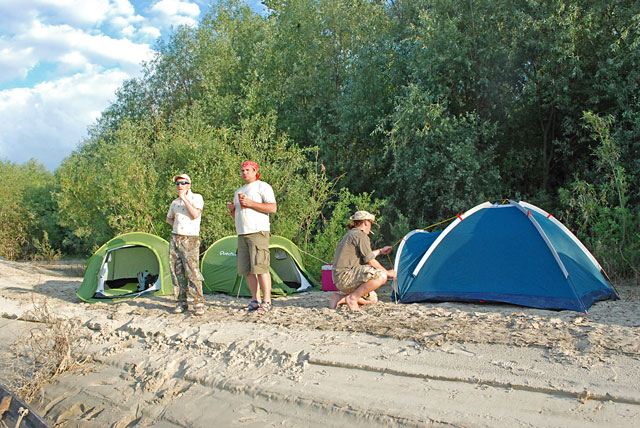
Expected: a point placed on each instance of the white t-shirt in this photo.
(183, 224)
(249, 220)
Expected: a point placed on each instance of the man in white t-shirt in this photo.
(251, 206)
(184, 246)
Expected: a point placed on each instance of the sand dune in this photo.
(306, 365)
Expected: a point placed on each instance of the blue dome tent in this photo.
(512, 253)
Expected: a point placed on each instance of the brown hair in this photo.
(354, 223)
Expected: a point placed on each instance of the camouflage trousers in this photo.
(184, 257)
(347, 281)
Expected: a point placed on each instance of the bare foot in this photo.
(372, 298)
(352, 302)
(336, 299)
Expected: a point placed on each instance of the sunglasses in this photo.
(181, 183)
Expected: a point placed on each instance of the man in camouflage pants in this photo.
(356, 272)
(184, 246)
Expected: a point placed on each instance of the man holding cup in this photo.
(251, 206)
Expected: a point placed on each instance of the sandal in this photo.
(252, 306)
(264, 308)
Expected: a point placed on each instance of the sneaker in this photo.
(199, 310)
(180, 309)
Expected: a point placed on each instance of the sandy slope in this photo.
(306, 365)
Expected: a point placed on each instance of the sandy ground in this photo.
(304, 365)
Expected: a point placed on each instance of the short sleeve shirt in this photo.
(353, 249)
(183, 224)
(249, 220)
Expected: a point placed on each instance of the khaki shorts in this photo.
(347, 281)
(253, 255)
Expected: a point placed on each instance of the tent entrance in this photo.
(285, 267)
(128, 271)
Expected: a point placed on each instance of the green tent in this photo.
(130, 265)
(288, 274)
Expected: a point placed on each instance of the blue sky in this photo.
(61, 62)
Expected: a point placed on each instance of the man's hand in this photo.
(182, 193)
(244, 201)
(386, 250)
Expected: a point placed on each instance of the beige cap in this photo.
(363, 215)
(183, 176)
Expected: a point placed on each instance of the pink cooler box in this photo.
(327, 281)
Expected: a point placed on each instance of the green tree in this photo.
(122, 181)
(108, 186)
(331, 82)
(27, 210)
(600, 212)
(230, 60)
(443, 165)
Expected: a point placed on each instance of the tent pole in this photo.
(239, 286)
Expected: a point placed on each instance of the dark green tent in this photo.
(288, 273)
(115, 270)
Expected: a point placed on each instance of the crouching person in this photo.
(356, 272)
(184, 246)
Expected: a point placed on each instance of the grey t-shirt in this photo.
(353, 249)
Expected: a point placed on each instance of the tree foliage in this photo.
(600, 211)
(123, 181)
(431, 105)
(443, 164)
(28, 211)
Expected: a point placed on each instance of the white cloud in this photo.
(128, 31)
(150, 32)
(67, 46)
(74, 59)
(15, 62)
(177, 7)
(123, 19)
(176, 12)
(61, 62)
(49, 120)
(80, 13)
(120, 22)
(14, 13)
(76, 12)
(123, 7)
